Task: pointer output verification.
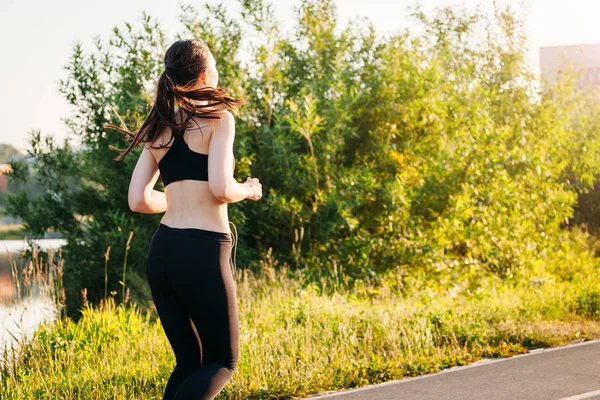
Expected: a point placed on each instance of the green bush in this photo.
(437, 154)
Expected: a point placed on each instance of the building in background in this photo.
(4, 169)
(585, 59)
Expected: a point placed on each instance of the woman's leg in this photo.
(171, 311)
(196, 282)
(207, 288)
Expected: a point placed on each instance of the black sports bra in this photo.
(180, 162)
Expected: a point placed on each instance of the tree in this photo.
(436, 154)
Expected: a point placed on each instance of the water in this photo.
(15, 246)
(19, 320)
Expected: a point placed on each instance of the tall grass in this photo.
(299, 338)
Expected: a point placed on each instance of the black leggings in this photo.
(190, 278)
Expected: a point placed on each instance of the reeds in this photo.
(300, 337)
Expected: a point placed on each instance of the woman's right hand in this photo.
(255, 188)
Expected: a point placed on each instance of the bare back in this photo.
(190, 203)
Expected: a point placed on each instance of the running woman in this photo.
(191, 149)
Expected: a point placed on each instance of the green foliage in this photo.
(437, 154)
(96, 330)
(86, 190)
(297, 340)
(17, 181)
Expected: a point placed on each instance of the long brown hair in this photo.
(179, 83)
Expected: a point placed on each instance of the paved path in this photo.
(569, 372)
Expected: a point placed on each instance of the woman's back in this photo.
(190, 202)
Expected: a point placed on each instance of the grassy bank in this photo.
(10, 231)
(296, 339)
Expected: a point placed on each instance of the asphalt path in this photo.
(570, 372)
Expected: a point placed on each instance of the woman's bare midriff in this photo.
(190, 203)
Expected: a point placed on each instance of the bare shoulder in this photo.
(226, 123)
(226, 113)
(226, 116)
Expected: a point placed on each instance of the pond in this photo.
(19, 318)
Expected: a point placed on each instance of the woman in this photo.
(188, 259)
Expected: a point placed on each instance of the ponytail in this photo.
(168, 93)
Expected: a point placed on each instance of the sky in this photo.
(37, 38)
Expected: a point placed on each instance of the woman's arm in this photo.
(221, 181)
(156, 204)
(142, 197)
